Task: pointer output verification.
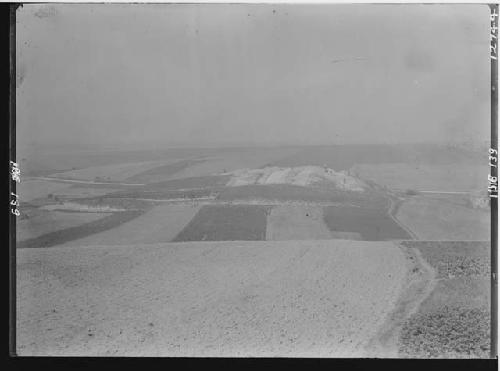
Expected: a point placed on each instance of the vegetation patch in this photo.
(455, 258)
(451, 332)
(454, 320)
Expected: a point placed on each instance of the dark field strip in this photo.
(227, 223)
(287, 192)
(111, 201)
(163, 194)
(371, 224)
(193, 187)
(70, 234)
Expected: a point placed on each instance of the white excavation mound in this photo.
(301, 176)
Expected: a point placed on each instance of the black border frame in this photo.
(8, 72)
(493, 200)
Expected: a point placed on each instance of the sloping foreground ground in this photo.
(292, 222)
(280, 298)
(441, 218)
(454, 320)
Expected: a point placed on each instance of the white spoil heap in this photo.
(301, 176)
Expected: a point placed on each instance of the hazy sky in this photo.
(252, 74)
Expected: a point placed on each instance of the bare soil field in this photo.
(290, 222)
(371, 224)
(41, 222)
(265, 298)
(454, 320)
(438, 218)
(424, 177)
(160, 224)
(61, 236)
(227, 223)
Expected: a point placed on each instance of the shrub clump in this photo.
(451, 332)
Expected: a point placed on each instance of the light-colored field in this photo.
(456, 177)
(434, 218)
(114, 172)
(265, 298)
(32, 189)
(50, 221)
(160, 224)
(293, 222)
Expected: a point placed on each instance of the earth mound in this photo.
(301, 176)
